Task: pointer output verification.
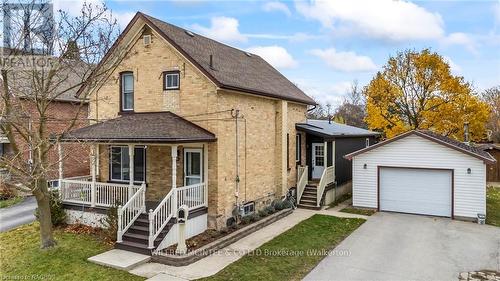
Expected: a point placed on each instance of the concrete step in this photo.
(120, 259)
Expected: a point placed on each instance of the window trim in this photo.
(110, 178)
(193, 150)
(367, 142)
(171, 72)
(252, 203)
(288, 152)
(122, 92)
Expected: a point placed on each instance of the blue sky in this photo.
(323, 46)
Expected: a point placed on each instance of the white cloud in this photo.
(296, 37)
(276, 6)
(223, 29)
(332, 94)
(459, 38)
(123, 18)
(455, 68)
(345, 61)
(275, 55)
(383, 19)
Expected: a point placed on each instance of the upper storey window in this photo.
(171, 80)
(127, 91)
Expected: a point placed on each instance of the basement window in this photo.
(171, 80)
(248, 208)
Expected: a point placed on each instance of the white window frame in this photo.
(121, 163)
(173, 73)
(122, 90)
(367, 142)
(246, 205)
(193, 150)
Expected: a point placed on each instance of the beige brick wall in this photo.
(262, 129)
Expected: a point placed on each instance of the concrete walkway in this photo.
(214, 263)
(19, 214)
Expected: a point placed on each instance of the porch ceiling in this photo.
(151, 127)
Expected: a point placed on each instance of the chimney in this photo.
(211, 62)
(466, 133)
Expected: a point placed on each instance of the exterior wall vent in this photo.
(146, 39)
(189, 33)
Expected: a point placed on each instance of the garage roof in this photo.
(432, 136)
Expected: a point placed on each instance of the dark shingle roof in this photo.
(432, 136)
(164, 127)
(333, 129)
(232, 69)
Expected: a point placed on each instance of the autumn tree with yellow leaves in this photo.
(416, 90)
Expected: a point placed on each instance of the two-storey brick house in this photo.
(207, 125)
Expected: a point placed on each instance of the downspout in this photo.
(237, 162)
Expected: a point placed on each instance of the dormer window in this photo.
(171, 80)
(127, 91)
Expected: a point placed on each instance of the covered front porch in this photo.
(147, 165)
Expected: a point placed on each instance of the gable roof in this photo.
(155, 127)
(232, 69)
(432, 136)
(324, 128)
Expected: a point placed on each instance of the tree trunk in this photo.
(44, 215)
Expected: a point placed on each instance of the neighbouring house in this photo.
(421, 172)
(326, 143)
(492, 170)
(61, 110)
(184, 120)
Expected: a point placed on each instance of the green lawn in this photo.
(22, 259)
(358, 211)
(493, 206)
(317, 233)
(10, 202)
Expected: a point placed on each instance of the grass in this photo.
(318, 233)
(11, 201)
(493, 206)
(21, 257)
(358, 211)
(340, 200)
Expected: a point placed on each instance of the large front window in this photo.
(127, 91)
(192, 166)
(120, 164)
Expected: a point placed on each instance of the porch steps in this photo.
(309, 197)
(136, 237)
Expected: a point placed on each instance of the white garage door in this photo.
(416, 191)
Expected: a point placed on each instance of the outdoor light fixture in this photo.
(364, 166)
(469, 171)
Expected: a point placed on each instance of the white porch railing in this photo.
(327, 177)
(161, 216)
(100, 194)
(302, 179)
(129, 212)
(193, 196)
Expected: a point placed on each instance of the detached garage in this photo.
(421, 172)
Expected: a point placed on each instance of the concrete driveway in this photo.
(19, 214)
(392, 246)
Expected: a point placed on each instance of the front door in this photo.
(318, 160)
(192, 166)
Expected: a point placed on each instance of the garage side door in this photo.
(416, 191)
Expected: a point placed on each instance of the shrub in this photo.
(263, 213)
(254, 217)
(57, 213)
(6, 191)
(287, 204)
(270, 209)
(278, 204)
(111, 223)
(246, 219)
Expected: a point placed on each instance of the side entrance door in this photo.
(318, 160)
(193, 166)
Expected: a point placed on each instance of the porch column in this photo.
(93, 168)
(205, 173)
(174, 177)
(60, 155)
(131, 170)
